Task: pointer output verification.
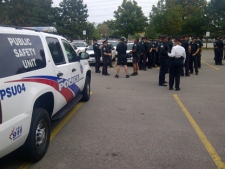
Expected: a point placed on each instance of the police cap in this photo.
(122, 39)
(104, 41)
(95, 39)
(169, 37)
(177, 39)
(185, 35)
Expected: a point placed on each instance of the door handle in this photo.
(59, 74)
(73, 70)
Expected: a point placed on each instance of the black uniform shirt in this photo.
(163, 49)
(105, 49)
(170, 44)
(194, 47)
(185, 44)
(154, 45)
(135, 47)
(200, 45)
(215, 44)
(97, 51)
(121, 48)
(220, 44)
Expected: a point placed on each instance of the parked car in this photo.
(41, 79)
(81, 45)
(129, 48)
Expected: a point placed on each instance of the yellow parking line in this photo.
(210, 65)
(215, 156)
(57, 129)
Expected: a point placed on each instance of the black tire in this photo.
(86, 90)
(38, 139)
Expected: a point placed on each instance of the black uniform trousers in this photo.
(97, 62)
(193, 60)
(153, 58)
(199, 60)
(186, 66)
(163, 70)
(142, 61)
(105, 65)
(109, 60)
(219, 56)
(175, 69)
(150, 60)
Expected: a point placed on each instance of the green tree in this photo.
(129, 19)
(73, 19)
(176, 17)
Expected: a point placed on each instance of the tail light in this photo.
(0, 113)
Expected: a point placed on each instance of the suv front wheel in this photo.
(86, 90)
(38, 139)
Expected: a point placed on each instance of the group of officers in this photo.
(178, 57)
(219, 45)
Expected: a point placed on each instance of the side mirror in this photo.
(83, 56)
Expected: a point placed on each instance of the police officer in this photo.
(163, 58)
(143, 56)
(135, 54)
(149, 53)
(220, 47)
(97, 52)
(153, 52)
(105, 54)
(122, 58)
(177, 60)
(109, 58)
(194, 55)
(200, 51)
(215, 50)
(186, 46)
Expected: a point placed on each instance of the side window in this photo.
(70, 52)
(56, 51)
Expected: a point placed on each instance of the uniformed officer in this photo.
(109, 58)
(144, 54)
(153, 52)
(185, 45)
(122, 58)
(215, 50)
(194, 55)
(105, 54)
(149, 53)
(177, 59)
(157, 51)
(220, 47)
(170, 43)
(97, 51)
(200, 51)
(163, 58)
(136, 56)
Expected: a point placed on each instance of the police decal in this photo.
(65, 83)
(16, 133)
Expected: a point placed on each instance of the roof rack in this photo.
(46, 29)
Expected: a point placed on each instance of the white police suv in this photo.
(41, 79)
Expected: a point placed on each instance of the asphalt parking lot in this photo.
(135, 124)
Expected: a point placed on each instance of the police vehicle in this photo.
(41, 79)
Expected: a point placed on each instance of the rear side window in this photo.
(70, 52)
(20, 54)
(56, 51)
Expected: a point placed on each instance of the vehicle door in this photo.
(62, 73)
(77, 76)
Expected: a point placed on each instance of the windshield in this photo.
(129, 46)
(79, 44)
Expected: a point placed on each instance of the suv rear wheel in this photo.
(38, 139)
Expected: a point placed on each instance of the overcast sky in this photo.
(102, 10)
